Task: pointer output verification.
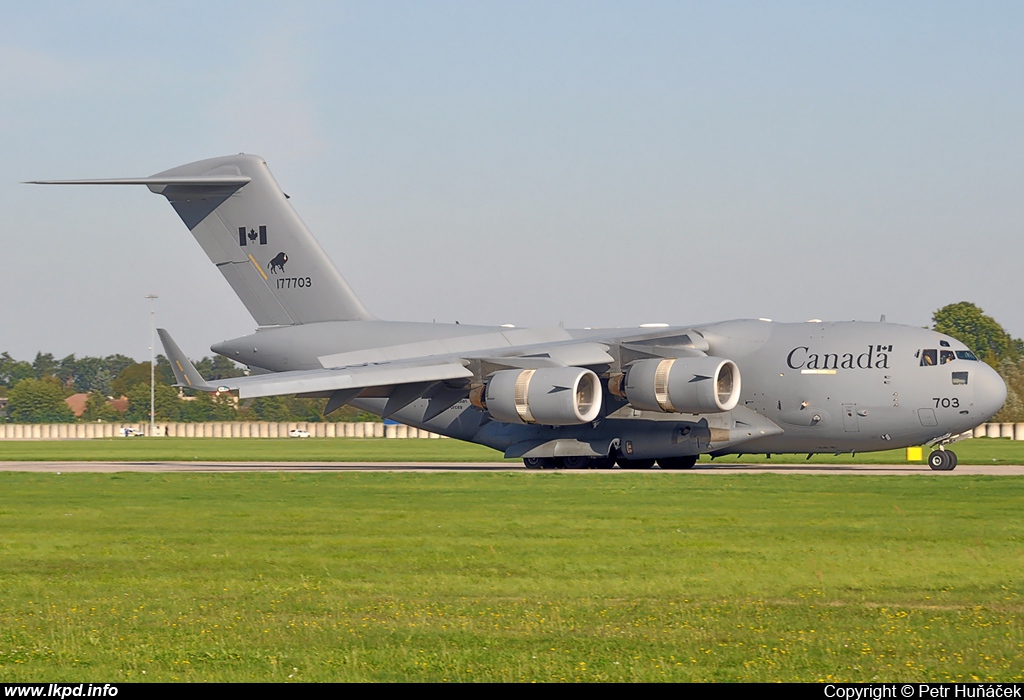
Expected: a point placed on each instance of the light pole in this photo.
(152, 364)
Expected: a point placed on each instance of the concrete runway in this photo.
(313, 467)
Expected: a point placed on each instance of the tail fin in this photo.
(242, 219)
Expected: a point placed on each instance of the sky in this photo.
(591, 163)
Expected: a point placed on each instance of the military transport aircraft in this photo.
(557, 397)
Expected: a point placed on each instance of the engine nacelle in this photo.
(683, 385)
(546, 396)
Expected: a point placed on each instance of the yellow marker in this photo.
(182, 370)
(915, 454)
(257, 266)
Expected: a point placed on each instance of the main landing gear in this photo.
(942, 460)
(678, 462)
(607, 463)
(568, 462)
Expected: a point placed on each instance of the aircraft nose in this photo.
(989, 392)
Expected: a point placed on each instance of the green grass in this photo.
(246, 450)
(509, 576)
(976, 451)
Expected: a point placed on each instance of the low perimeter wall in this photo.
(232, 429)
(266, 429)
(1014, 431)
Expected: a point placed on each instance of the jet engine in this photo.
(546, 396)
(683, 385)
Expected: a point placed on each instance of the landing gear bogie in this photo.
(568, 462)
(575, 462)
(677, 462)
(634, 463)
(942, 460)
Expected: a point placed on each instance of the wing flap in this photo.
(340, 381)
(300, 381)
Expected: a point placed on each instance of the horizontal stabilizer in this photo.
(188, 180)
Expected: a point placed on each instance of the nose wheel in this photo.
(942, 460)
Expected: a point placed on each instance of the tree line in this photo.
(36, 391)
(992, 344)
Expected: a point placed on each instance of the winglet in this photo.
(185, 374)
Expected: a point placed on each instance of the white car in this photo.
(131, 432)
(298, 433)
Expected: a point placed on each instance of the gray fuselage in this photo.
(806, 387)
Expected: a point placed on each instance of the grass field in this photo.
(975, 451)
(247, 450)
(509, 576)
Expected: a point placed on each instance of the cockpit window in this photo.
(930, 358)
(959, 378)
(944, 343)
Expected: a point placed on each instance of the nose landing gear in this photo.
(942, 460)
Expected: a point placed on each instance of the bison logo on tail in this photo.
(278, 263)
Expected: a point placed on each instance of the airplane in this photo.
(560, 398)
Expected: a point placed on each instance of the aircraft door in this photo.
(927, 417)
(851, 423)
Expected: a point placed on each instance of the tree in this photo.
(82, 373)
(164, 373)
(137, 373)
(167, 404)
(348, 414)
(44, 365)
(969, 324)
(115, 364)
(67, 370)
(207, 406)
(38, 401)
(100, 382)
(13, 371)
(219, 367)
(273, 408)
(196, 409)
(222, 407)
(98, 409)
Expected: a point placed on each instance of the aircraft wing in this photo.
(330, 380)
(420, 370)
(408, 372)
